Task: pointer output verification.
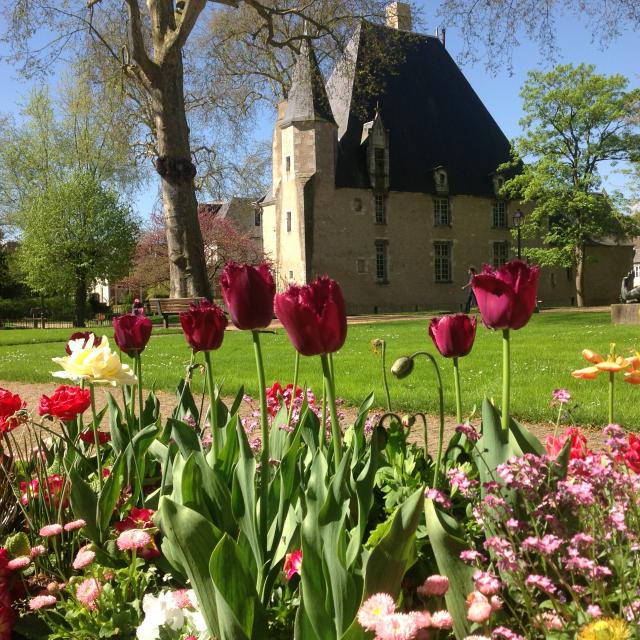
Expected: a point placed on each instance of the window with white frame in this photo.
(636, 270)
(500, 214)
(381, 208)
(382, 273)
(442, 261)
(500, 253)
(441, 212)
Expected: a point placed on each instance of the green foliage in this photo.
(575, 120)
(74, 232)
(82, 130)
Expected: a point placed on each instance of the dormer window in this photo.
(376, 137)
(441, 180)
(379, 159)
(498, 183)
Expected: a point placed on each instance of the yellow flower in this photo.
(97, 364)
(605, 629)
(612, 364)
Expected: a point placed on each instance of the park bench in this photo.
(170, 307)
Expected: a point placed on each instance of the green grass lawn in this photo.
(543, 355)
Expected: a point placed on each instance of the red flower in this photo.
(10, 405)
(292, 563)
(453, 335)
(203, 326)
(66, 403)
(579, 449)
(248, 294)
(89, 437)
(506, 296)
(314, 316)
(85, 335)
(132, 332)
(4, 559)
(51, 493)
(275, 391)
(140, 519)
(7, 618)
(632, 454)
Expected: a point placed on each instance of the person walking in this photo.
(471, 297)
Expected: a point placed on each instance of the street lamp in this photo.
(517, 223)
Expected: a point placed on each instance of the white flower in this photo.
(96, 364)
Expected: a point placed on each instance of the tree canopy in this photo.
(85, 128)
(575, 120)
(75, 232)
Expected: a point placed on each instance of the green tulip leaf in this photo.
(240, 612)
(447, 545)
(193, 539)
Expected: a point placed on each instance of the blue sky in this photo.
(498, 92)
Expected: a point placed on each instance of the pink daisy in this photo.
(19, 563)
(51, 530)
(84, 558)
(42, 601)
(38, 550)
(75, 524)
(434, 586)
(421, 618)
(441, 620)
(133, 539)
(374, 609)
(88, 591)
(396, 626)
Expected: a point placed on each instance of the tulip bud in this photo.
(402, 367)
(408, 421)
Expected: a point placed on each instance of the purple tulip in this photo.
(453, 335)
(248, 294)
(314, 316)
(131, 333)
(506, 296)
(203, 326)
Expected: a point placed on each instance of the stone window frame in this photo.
(500, 253)
(257, 217)
(500, 218)
(441, 214)
(380, 208)
(382, 261)
(443, 261)
(288, 221)
(361, 262)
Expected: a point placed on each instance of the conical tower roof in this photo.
(308, 98)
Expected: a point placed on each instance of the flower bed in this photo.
(122, 524)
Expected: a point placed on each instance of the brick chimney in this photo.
(399, 16)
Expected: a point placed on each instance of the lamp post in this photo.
(517, 223)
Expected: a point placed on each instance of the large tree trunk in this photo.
(80, 301)
(187, 268)
(580, 295)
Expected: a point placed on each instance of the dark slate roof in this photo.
(307, 98)
(433, 115)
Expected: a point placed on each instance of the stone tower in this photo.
(304, 156)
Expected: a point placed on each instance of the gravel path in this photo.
(31, 393)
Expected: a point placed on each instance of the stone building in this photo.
(384, 178)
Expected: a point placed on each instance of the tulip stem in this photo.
(96, 441)
(296, 372)
(331, 400)
(436, 473)
(138, 367)
(264, 429)
(385, 382)
(611, 396)
(506, 380)
(213, 408)
(323, 416)
(456, 384)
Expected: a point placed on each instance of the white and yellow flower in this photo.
(98, 364)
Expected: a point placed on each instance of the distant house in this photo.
(384, 177)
